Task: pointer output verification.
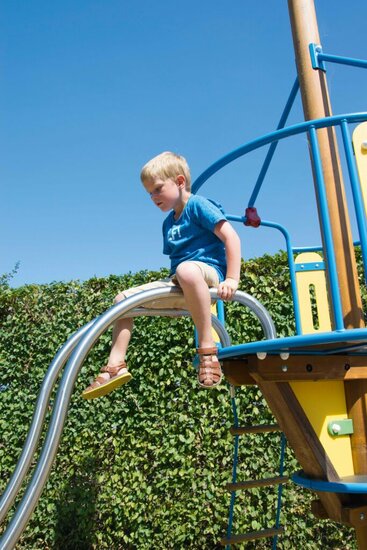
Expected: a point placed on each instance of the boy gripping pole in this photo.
(204, 250)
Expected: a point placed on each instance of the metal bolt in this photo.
(261, 355)
(309, 368)
(364, 145)
(362, 516)
(284, 368)
(284, 355)
(336, 428)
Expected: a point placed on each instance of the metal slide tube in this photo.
(153, 312)
(39, 414)
(48, 383)
(39, 478)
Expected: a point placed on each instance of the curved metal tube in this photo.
(259, 310)
(44, 396)
(39, 414)
(35, 487)
(143, 312)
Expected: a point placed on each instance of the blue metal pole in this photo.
(292, 270)
(221, 312)
(342, 60)
(299, 249)
(274, 144)
(326, 226)
(280, 489)
(234, 469)
(357, 193)
(268, 138)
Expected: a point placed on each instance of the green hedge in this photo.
(146, 466)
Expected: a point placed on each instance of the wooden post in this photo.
(316, 104)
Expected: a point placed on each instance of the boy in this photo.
(204, 250)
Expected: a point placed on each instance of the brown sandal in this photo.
(210, 373)
(117, 376)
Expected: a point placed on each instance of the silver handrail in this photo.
(86, 337)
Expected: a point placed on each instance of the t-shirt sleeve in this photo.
(208, 213)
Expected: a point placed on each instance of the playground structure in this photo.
(330, 442)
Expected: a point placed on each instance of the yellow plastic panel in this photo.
(322, 403)
(317, 279)
(360, 151)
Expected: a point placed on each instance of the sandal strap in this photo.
(113, 370)
(210, 370)
(96, 383)
(207, 351)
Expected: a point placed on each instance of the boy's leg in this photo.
(191, 278)
(197, 300)
(121, 335)
(115, 373)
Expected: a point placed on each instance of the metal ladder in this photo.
(235, 486)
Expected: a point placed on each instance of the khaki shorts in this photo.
(209, 274)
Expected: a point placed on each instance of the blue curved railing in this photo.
(345, 485)
(311, 127)
(277, 135)
(291, 265)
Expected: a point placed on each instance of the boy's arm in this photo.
(232, 244)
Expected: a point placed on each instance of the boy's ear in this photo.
(181, 180)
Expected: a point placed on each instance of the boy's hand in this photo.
(227, 288)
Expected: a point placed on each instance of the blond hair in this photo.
(166, 165)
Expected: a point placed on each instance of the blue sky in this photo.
(92, 89)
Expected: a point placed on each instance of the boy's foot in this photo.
(210, 373)
(101, 386)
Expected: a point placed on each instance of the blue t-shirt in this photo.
(192, 237)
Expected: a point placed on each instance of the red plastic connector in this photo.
(252, 217)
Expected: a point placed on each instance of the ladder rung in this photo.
(261, 428)
(252, 536)
(268, 481)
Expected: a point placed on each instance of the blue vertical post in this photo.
(328, 239)
(280, 489)
(234, 469)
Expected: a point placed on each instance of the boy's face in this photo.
(166, 193)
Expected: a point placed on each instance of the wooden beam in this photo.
(237, 374)
(297, 367)
(304, 441)
(316, 104)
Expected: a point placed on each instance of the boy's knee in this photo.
(188, 272)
